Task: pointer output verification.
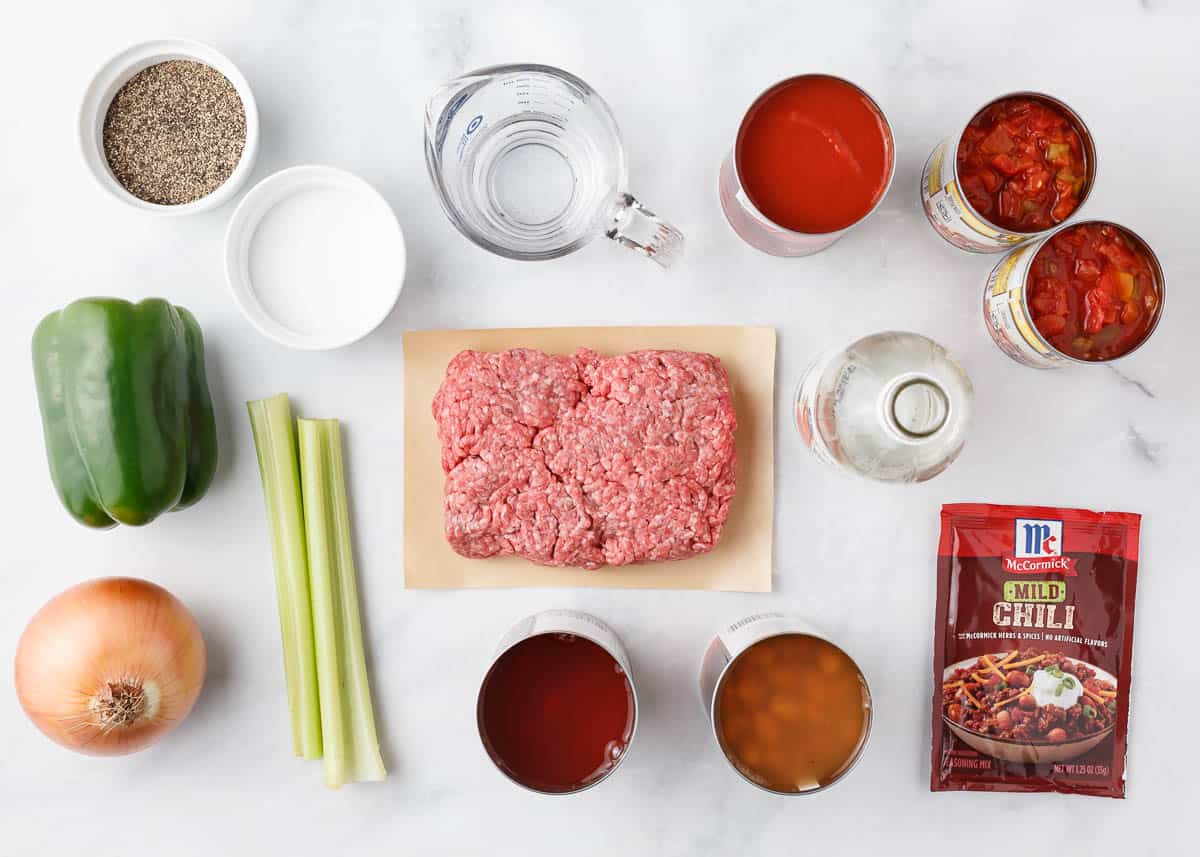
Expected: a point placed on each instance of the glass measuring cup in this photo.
(527, 162)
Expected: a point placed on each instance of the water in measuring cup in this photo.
(892, 406)
(529, 164)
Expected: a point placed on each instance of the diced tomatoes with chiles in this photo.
(1093, 294)
(1021, 164)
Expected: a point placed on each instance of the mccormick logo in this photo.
(1037, 548)
(1034, 537)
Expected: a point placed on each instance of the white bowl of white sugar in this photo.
(315, 257)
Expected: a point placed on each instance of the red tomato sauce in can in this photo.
(814, 154)
(1093, 292)
(1022, 164)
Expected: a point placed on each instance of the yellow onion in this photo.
(110, 666)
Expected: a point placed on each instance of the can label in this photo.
(1008, 320)
(949, 213)
(573, 622)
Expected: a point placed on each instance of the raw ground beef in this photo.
(586, 460)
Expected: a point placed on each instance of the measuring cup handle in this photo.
(641, 229)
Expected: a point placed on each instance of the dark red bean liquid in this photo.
(556, 712)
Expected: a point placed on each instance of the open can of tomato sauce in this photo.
(814, 157)
(1089, 292)
(557, 709)
(790, 710)
(1022, 165)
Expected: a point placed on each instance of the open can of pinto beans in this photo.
(789, 709)
(1011, 315)
(947, 206)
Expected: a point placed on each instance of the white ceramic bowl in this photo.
(116, 73)
(315, 257)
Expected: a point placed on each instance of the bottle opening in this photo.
(919, 408)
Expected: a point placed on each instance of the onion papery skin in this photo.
(110, 666)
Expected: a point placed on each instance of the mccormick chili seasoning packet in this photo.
(1032, 649)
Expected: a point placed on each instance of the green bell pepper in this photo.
(126, 412)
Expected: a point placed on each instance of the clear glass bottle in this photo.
(893, 406)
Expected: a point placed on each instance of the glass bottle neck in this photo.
(917, 408)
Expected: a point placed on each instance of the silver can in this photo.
(731, 643)
(560, 622)
(952, 215)
(1006, 304)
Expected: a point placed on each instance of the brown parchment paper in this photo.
(741, 561)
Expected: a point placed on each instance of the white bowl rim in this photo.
(236, 238)
(116, 72)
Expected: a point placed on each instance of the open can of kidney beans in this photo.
(790, 710)
(1023, 164)
(557, 709)
(1089, 292)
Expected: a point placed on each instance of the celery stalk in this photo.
(347, 719)
(271, 422)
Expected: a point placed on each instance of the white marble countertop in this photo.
(344, 84)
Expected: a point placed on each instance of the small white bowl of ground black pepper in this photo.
(169, 127)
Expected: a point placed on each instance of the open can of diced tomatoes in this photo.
(789, 709)
(1021, 166)
(1089, 292)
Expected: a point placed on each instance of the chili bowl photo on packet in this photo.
(1032, 649)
